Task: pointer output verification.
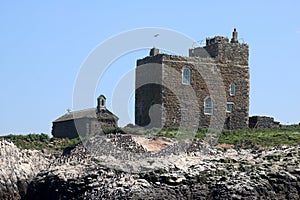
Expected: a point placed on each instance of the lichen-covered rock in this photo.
(18, 167)
(187, 173)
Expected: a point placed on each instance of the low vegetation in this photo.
(262, 137)
(41, 141)
(246, 138)
(250, 138)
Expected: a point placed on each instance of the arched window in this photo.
(208, 106)
(232, 89)
(186, 76)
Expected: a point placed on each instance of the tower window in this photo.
(229, 107)
(232, 89)
(208, 106)
(186, 76)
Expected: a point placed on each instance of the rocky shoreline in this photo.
(118, 167)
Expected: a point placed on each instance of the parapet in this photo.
(222, 50)
(216, 40)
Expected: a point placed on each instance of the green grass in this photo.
(288, 135)
(262, 137)
(167, 132)
(41, 141)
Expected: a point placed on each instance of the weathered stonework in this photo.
(262, 122)
(85, 122)
(159, 80)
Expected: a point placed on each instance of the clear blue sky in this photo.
(43, 44)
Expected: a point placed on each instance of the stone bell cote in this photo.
(101, 102)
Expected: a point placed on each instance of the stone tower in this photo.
(156, 105)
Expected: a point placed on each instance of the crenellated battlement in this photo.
(223, 51)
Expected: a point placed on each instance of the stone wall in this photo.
(84, 126)
(225, 52)
(239, 75)
(179, 96)
(232, 60)
(262, 122)
(105, 120)
(148, 92)
(64, 129)
(174, 94)
(238, 118)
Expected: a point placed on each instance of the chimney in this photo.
(154, 51)
(234, 38)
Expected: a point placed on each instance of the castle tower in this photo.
(230, 59)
